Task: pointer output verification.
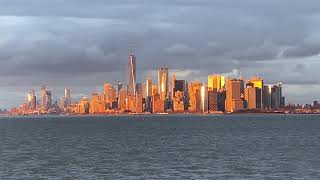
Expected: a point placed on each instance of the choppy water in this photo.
(161, 147)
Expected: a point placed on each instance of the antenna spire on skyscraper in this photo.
(131, 48)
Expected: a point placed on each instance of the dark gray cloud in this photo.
(82, 43)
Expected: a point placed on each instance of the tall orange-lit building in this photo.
(109, 92)
(163, 82)
(138, 104)
(257, 83)
(122, 99)
(194, 89)
(97, 105)
(204, 98)
(251, 97)
(82, 107)
(158, 104)
(233, 101)
(178, 101)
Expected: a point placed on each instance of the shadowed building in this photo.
(122, 99)
(213, 100)
(266, 96)
(277, 100)
(178, 90)
(148, 95)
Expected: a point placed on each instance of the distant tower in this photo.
(131, 73)
(67, 96)
(43, 93)
(163, 82)
(32, 101)
(119, 86)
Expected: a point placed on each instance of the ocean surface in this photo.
(161, 147)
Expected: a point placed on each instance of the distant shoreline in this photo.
(162, 114)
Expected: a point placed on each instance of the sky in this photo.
(81, 44)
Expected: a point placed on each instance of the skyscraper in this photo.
(257, 83)
(251, 97)
(97, 103)
(195, 96)
(204, 98)
(43, 93)
(148, 95)
(122, 99)
(46, 101)
(32, 101)
(233, 97)
(148, 87)
(163, 83)
(179, 85)
(212, 100)
(109, 95)
(67, 96)
(139, 88)
(277, 100)
(157, 104)
(266, 96)
(131, 74)
(178, 94)
(82, 107)
(119, 86)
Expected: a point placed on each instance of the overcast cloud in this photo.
(80, 44)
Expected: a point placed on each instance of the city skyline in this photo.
(222, 94)
(48, 44)
(158, 75)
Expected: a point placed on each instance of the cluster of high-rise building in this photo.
(43, 104)
(167, 95)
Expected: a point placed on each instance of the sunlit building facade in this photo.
(257, 82)
(122, 99)
(158, 104)
(97, 105)
(233, 101)
(82, 107)
(194, 89)
(163, 82)
(216, 81)
(204, 98)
